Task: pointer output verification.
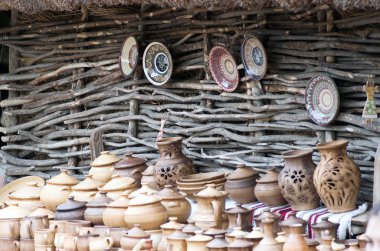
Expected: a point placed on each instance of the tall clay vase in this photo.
(268, 243)
(295, 241)
(296, 180)
(172, 164)
(337, 177)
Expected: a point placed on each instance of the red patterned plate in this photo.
(223, 68)
(129, 56)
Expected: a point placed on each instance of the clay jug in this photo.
(217, 244)
(198, 242)
(177, 241)
(168, 229)
(211, 204)
(296, 180)
(292, 219)
(268, 243)
(295, 241)
(172, 164)
(337, 177)
(239, 216)
(268, 191)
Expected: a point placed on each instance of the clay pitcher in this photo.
(295, 241)
(268, 243)
(296, 180)
(211, 204)
(177, 241)
(337, 177)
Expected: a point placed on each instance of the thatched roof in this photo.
(34, 6)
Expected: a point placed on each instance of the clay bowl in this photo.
(201, 183)
(199, 177)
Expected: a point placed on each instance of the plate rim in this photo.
(243, 59)
(138, 56)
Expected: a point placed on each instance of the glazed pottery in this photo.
(118, 185)
(255, 236)
(211, 206)
(156, 237)
(157, 63)
(13, 211)
(237, 231)
(99, 243)
(145, 189)
(57, 189)
(296, 180)
(292, 219)
(198, 242)
(175, 202)
(9, 228)
(167, 229)
(177, 241)
(268, 243)
(266, 214)
(131, 167)
(132, 237)
(83, 242)
(337, 177)
(113, 215)
(140, 207)
(70, 242)
(254, 57)
(217, 244)
(239, 244)
(190, 228)
(172, 164)
(268, 191)
(72, 226)
(129, 56)
(102, 166)
(71, 210)
(213, 231)
(148, 178)
(44, 237)
(9, 244)
(28, 197)
(42, 211)
(29, 225)
(96, 208)
(239, 216)
(322, 226)
(295, 241)
(26, 245)
(86, 189)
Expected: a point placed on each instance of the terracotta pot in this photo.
(268, 243)
(292, 219)
(71, 210)
(28, 196)
(57, 189)
(140, 207)
(177, 241)
(118, 185)
(72, 226)
(255, 236)
(297, 176)
(198, 242)
(213, 231)
(172, 164)
(102, 166)
(132, 237)
(168, 229)
(26, 245)
(148, 178)
(13, 211)
(217, 244)
(9, 244)
(190, 228)
(239, 216)
(268, 191)
(70, 242)
(9, 228)
(100, 243)
(29, 225)
(295, 241)
(265, 214)
(239, 244)
(86, 189)
(83, 242)
(323, 226)
(131, 167)
(96, 208)
(42, 211)
(57, 225)
(44, 237)
(113, 215)
(175, 202)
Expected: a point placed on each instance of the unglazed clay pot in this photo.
(27, 197)
(217, 244)
(214, 231)
(71, 210)
(86, 189)
(96, 208)
(42, 211)
(118, 185)
(239, 216)
(239, 244)
(44, 237)
(268, 243)
(168, 229)
(73, 227)
(113, 215)
(268, 191)
(9, 228)
(177, 241)
(102, 166)
(198, 242)
(26, 245)
(236, 232)
(322, 226)
(337, 177)
(29, 225)
(296, 180)
(190, 228)
(13, 211)
(292, 219)
(156, 237)
(145, 189)
(132, 237)
(295, 241)
(99, 243)
(172, 164)
(131, 167)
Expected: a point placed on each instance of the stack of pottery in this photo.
(113, 215)
(240, 184)
(131, 167)
(43, 240)
(144, 189)
(57, 189)
(239, 216)
(96, 208)
(167, 229)
(268, 191)
(28, 196)
(148, 178)
(102, 166)
(71, 210)
(132, 238)
(86, 189)
(118, 185)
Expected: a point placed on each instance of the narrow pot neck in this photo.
(338, 151)
(171, 149)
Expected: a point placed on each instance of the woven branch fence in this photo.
(67, 92)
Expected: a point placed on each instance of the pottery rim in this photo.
(168, 141)
(296, 153)
(332, 144)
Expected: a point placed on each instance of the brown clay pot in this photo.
(113, 215)
(268, 191)
(26, 245)
(296, 180)
(337, 177)
(96, 208)
(167, 229)
(198, 242)
(177, 241)
(266, 214)
(172, 164)
(268, 243)
(131, 167)
(295, 241)
(239, 216)
(102, 166)
(83, 242)
(292, 219)
(29, 225)
(9, 244)
(239, 244)
(71, 210)
(132, 237)
(217, 244)
(9, 228)
(322, 226)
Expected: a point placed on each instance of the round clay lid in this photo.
(129, 161)
(210, 191)
(270, 177)
(87, 184)
(242, 172)
(324, 224)
(30, 191)
(122, 202)
(237, 232)
(71, 205)
(143, 199)
(63, 179)
(296, 153)
(137, 232)
(292, 219)
(101, 201)
(190, 228)
(199, 237)
(172, 224)
(169, 193)
(145, 189)
(215, 231)
(178, 235)
(239, 242)
(12, 211)
(217, 242)
(104, 159)
(238, 209)
(255, 234)
(118, 183)
(42, 211)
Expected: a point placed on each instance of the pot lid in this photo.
(169, 193)
(137, 232)
(63, 179)
(42, 211)
(215, 231)
(145, 189)
(217, 242)
(199, 237)
(178, 235)
(118, 183)
(242, 172)
(239, 242)
(104, 159)
(269, 177)
(210, 191)
(87, 184)
(255, 234)
(291, 154)
(266, 214)
(12, 211)
(238, 209)
(122, 202)
(129, 161)
(324, 224)
(143, 199)
(101, 201)
(30, 191)
(190, 227)
(292, 219)
(172, 224)
(237, 232)
(71, 205)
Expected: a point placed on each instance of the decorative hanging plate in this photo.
(129, 56)
(322, 99)
(254, 57)
(157, 63)
(223, 68)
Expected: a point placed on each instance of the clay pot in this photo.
(145, 189)
(140, 207)
(176, 203)
(102, 166)
(156, 237)
(177, 241)
(214, 231)
(337, 177)
(57, 189)
(71, 210)
(211, 207)
(148, 178)
(95, 209)
(100, 243)
(297, 176)
(266, 214)
(239, 216)
(44, 237)
(72, 226)
(237, 231)
(28, 196)
(268, 191)
(70, 242)
(322, 226)
(29, 225)
(113, 215)
(239, 244)
(42, 211)
(268, 243)
(172, 164)
(190, 228)
(9, 244)
(86, 189)
(168, 229)
(9, 228)
(217, 244)
(83, 242)
(295, 241)
(26, 245)
(13, 211)
(131, 167)
(292, 219)
(118, 185)
(255, 236)
(132, 237)
(198, 242)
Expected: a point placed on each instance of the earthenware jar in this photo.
(28, 196)
(140, 207)
(292, 219)
(167, 229)
(9, 244)
(239, 244)
(237, 231)
(96, 208)
(9, 228)
(295, 241)
(217, 244)
(322, 226)
(29, 225)
(144, 189)
(214, 231)
(132, 237)
(118, 185)
(337, 177)
(239, 216)
(177, 241)
(198, 242)
(268, 243)
(156, 237)
(57, 189)
(131, 167)
(13, 211)
(86, 189)
(113, 215)
(71, 210)
(172, 164)
(268, 191)
(44, 237)
(255, 236)
(240, 184)
(175, 202)
(190, 228)
(83, 242)
(26, 245)
(72, 227)
(99, 243)
(211, 207)
(296, 180)
(42, 211)
(102, 166)
(148, 178)
(266, 214)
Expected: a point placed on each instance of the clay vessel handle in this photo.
(29, 227)
(239, 221)
(217, 207)
(17, 245)
(136, 171)
(109, 242)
